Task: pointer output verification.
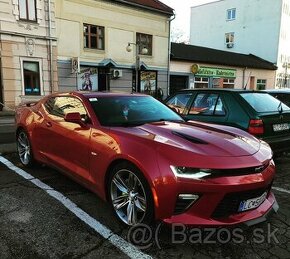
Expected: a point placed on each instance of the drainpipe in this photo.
(169, 53)
(244, 77)
(50, 46)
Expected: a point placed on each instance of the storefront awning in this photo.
(108, 62)
(143, 66)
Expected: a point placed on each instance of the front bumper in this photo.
(248, 218)
(219, 199)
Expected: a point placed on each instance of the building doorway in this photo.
(177, 83)
(104, 79)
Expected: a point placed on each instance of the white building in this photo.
(93, 37)
(259, 27)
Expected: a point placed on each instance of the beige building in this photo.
(28, 51)
(199, 67)
(93, 37)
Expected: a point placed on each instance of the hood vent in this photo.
(189, 138)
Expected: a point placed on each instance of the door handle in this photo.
(48, 124)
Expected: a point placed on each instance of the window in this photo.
(31, 78)
(179, 102)
(261, 84)
(144, 40)
(27, 10)
(263, 102)
(94, 37)
(229, 39)
(201, 82)
(207, 104)
(231, 14)
(228, 83)
(60, 106)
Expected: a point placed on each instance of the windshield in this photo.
(262, 102)
(131, 110)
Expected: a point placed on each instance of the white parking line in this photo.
(105, 232)
(281, 189)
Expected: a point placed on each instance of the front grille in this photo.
(230, 203)
(240, 171)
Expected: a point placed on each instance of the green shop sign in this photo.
(216, 72)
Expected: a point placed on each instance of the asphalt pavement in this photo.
(44, 214)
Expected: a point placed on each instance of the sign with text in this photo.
(216, 72)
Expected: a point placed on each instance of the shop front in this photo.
(213, 77)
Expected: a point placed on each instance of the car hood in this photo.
(200, 138)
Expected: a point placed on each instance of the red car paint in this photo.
(86, 154)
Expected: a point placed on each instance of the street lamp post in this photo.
(144, 51)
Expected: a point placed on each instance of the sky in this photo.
(180, 25)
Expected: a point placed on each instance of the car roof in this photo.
(92, 94)
(281, 90)
(240, 90)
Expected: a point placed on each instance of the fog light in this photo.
(184, 201)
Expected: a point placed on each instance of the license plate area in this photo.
(252, 203)
(280, 127)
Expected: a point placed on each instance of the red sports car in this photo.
(146, 161)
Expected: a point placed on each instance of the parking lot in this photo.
(43, 214)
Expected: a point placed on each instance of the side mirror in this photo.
(74, 117)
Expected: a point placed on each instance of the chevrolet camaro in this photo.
(146, 161)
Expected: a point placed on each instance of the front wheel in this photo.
(24, 149)
(130, 195)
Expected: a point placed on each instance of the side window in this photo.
(49, 105)
(60, 106)
(207, 104)
(179, 101)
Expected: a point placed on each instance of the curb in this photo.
(7, 113)
(7, 148)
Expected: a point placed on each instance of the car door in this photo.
(208, 107)
(66, 143)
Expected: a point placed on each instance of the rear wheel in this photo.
(24, 149)
(130, 195)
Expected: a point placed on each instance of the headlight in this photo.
(191, 173)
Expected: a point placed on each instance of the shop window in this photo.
(207, 104)
(229, 39)
(201, 82)
(261, 84)
(148, 82)
(228, 83)
(94, 37)
(31, 78)
(144, 40)
(27, 10)
(231, 14)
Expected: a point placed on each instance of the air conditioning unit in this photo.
(117, 73)
(230, 45)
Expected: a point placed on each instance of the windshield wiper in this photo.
(127, 124)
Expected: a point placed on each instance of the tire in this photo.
(129, 195)
(24, 149)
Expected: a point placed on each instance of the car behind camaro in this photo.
(147, 162)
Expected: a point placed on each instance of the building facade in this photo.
(103, 45)
(249, 26)
(28, 54)
(199, 67)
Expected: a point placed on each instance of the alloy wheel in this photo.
(24, 149)
(128, 197)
